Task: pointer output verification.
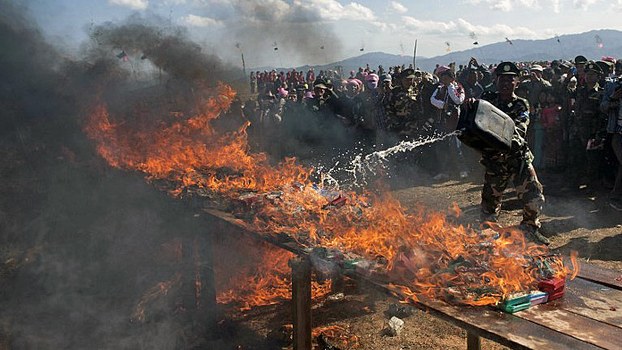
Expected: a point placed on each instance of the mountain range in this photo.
(593, 45)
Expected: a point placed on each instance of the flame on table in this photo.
(426, 252)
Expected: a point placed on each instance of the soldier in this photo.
(514, 165)
(586, 123)
(579, 70)
(401, 111)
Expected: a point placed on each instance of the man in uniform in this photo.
(514, 165)
(585, 125)
(401, 111)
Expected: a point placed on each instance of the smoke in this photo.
(275, 33)
(166, 47)
(80, 243)
(27, 71)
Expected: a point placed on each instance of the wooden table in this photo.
(589, 316)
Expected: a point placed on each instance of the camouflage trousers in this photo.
(502, 169)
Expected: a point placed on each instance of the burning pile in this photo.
(424, 253)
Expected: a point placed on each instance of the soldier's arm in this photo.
(521, 119)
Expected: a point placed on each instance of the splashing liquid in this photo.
(363, 167)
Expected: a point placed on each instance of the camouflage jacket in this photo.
(401, 108)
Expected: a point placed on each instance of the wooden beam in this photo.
(301, 302)
(597, 274)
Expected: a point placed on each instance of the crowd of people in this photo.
(570, 113)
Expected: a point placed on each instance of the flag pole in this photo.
(243, 63)
(415, 55)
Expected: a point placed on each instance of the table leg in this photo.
(301, 302)
(474, 342)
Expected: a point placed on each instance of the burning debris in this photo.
(335, 337)
(422, 253)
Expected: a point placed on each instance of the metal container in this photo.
(485, 127)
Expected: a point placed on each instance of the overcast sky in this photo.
(343, 27)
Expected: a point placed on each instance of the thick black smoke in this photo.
(81, 243)
(165, 46)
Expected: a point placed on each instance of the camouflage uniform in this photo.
(586, 123)
(401, 110)
(514, 165)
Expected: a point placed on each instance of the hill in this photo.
(565, 46)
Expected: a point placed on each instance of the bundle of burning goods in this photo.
(554, 287)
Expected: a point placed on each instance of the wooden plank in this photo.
(507, 329)
(248, 230)
(498, 326)
(301, 302)
(597, 274)
(593, 301)
(577, 326)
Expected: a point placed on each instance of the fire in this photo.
(426, 252)
(190, 152)
(155, 292)
(339, 334)
(264, 282)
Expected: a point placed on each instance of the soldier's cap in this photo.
(506, 68)
(386, 77)
(580, 59)
(564, 64)
(320, 83)
(536, 67)
(605, 66)
(407, 73)
(593, 67)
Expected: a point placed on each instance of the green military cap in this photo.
(407, 73)
(321, 83)
(507, 68)
(591, 66)
(580, 59)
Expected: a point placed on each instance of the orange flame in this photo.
(575, 264)
(265, 282)
(427, 253)
(339, 334)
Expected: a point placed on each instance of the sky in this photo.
(255, 27)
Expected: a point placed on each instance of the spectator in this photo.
(447, 98)
(612, 106)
